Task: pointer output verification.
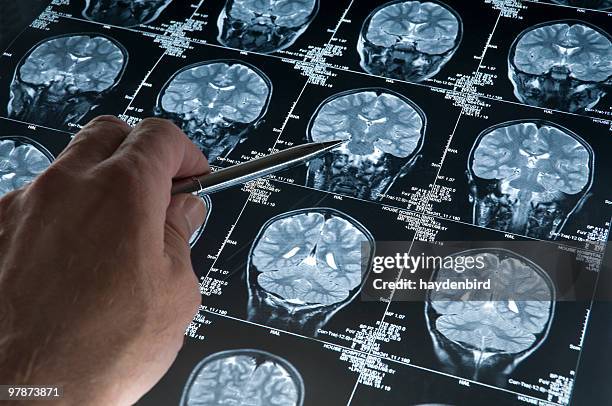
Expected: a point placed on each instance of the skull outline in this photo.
(21, 140)
(224, 142)
(481, 188)
(228, 38)
(24, 97)
(546, 90)
(259, 356)
(274, 311)
(320, 171)
(456, 358)
(383, 58)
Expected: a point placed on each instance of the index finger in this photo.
(158, 151)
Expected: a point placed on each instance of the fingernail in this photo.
(195, 212)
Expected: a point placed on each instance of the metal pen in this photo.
(256, 168)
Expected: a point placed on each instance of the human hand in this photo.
(96, 282)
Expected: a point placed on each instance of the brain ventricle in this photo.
(284, 13)
(431, 28)
(518, 308)
(217, 92)
(84, 63)
(585, 53)
(308, 258)
(370, 120)
(536, 159)
(240, 380)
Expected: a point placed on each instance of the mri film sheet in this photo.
(482, 122)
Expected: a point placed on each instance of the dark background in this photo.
(15, 15)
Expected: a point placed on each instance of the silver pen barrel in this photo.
(256, 168)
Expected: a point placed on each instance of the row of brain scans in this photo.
(563, 65)
(527, 176)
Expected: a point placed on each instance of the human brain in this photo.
(85, 63)
(370, 120)
(432, 28)
(20, 163)
(218, 91)
(585, 52)
(308, 258)
(284, 13)
(538, 159)
(244, 379)
(517, 309)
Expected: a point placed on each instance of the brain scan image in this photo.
(63, 78)
(563, 65)
(595, 4)
(264, 26)
(409, 40)
(384, 132)
(487, 333)
(216, 103)
(124, 13)
(244, 377)
(21, 160)
(527, 177)
(304, 266)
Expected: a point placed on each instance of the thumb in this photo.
(185, 214)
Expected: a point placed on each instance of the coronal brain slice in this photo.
(264, 25)
(216, 103)
(596, 4)
(21, 160)
(536, 168)
(383, 130)
(61, 78)
(124, 13)
(516, 312)
(540, 160)
(564, 65)
(244, 377)
(310, 257)
(409, 40)
(89, 63)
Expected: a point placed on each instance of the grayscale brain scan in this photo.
(595, 4)
(21, 160)
(384, 132)
(527, 177)
(479, 334)
(304, 266)
(409, 40)
(264, 25)
(564, 65)
(244, 377)
(63, 78)
(216, 103)
(124, 13)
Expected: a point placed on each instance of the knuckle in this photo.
(106, 124)
(156, 124)
(107, 119)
